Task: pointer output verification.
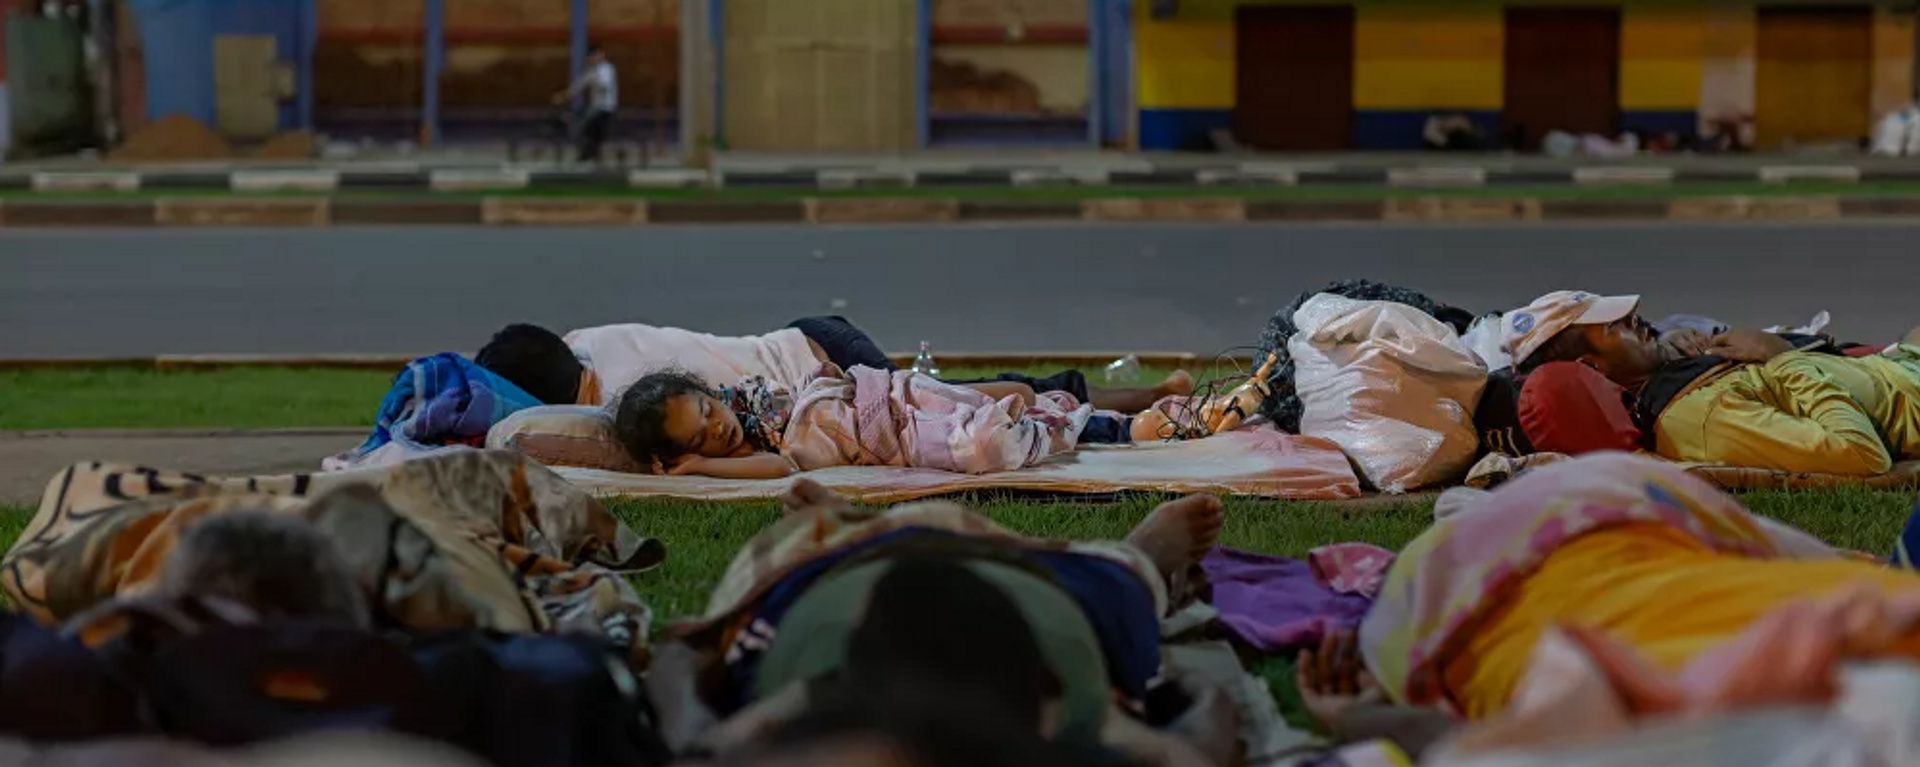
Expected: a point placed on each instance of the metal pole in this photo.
(923, 77)
(717, 43)
(431, 60)
(309, 40)
(1096, 71)
(577, 44)
(689, 77)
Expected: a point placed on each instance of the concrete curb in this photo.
(390, 362)
(620, 211)
(1225, 171)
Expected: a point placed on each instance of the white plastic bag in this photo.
(1486, 339)
(1391, 385)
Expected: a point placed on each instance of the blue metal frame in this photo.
(309, 37)
(432, 59)
(577, 43)
(1096, 71)
(922, 76)
(717, 41)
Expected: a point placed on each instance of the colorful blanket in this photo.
(1275, 604)
(437, 401)
(474, 539)
(1449, 578)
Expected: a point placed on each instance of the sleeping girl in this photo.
(677, 423)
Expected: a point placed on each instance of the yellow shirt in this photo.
(1654, 588)
(1802, 412)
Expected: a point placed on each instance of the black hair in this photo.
(279, 565)
(640, 416)
(1565, 346)
(535, 359)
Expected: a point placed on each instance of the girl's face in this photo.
(701, 425)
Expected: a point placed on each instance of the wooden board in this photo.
(1814, 73)
(1294, 77)
(1562, 72)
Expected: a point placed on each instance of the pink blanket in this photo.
(1253, 462)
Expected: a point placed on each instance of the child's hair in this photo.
(535, 359)
(640, 417)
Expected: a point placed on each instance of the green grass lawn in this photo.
(1072, 193)
(701, 538)
(233, 398)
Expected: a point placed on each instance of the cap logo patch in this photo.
(1523, 322)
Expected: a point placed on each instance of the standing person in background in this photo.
(602, 89)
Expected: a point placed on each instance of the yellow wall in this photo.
(1892, 61)
(1661, 51)
(1407, 58)
(1182, 63)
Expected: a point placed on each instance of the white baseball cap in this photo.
(1526, 329)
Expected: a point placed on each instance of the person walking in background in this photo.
(602, 89)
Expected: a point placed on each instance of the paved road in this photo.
(1005, 288)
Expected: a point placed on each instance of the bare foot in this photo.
(807, 496)
(1179, 532)
(1179, 384)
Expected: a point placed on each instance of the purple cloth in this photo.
(1274, 603)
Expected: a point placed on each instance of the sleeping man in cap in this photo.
(1742, 398)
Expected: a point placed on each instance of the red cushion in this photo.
(1567, 407)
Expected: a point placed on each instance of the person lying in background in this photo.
(1651, 569)
(678, 423)
(1742, 398)
(928, 611)
(592, 365)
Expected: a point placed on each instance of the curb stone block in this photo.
(1217, 177)
(1873, 207)
(1312, 210)
(1603, 210)
(864, 179)
(725, 212)
(1602, 176)
(1437, 177)
(280, 180)
(86, 182)
(349, 211)
(562, 211)
(1128, 209)
(264, 211)
(1061, 177)
(1708, 209)
(476, 180)
(1021, 210)
(904, 210)
(667, 179)
(1822, 208)
(1461, 209)
(1845, 174)
(78, 214)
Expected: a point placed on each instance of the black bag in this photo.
(545, 699)
(53, 689)
(1497, 418)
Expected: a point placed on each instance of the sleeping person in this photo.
(591, 366)
(1744, 398)
(676, 422)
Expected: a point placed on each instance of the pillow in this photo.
(564, 435)
(1567, 407)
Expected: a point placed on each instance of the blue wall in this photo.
(176, 38)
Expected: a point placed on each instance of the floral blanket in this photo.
(1452, 575)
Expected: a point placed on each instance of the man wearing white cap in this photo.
(1749, 398)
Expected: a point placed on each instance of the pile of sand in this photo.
(174, 137)
(298, 145)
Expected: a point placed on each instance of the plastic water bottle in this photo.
(924, 364)
(1125, 370)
